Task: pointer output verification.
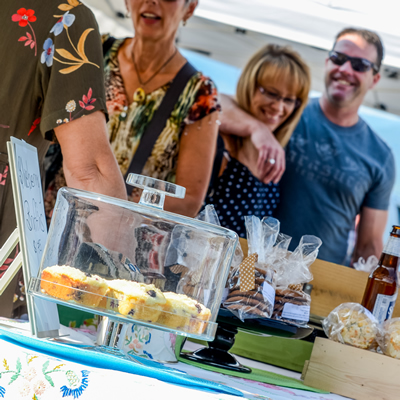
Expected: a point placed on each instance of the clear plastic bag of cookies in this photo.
(251, 288)
(194, 259)
(352, 324)
(292, 271)
(388, 338)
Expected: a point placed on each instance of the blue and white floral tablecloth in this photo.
(28, 373)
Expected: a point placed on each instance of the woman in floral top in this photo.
(138, 72)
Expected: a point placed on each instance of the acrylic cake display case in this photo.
(136, 262)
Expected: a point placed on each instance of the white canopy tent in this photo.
(231, 30)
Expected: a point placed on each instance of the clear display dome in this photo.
(136, 262)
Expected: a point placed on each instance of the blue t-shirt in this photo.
(331, 173)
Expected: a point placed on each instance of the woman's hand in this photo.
(235, 121)
(271, 162)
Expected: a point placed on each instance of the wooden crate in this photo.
(352, 372)
(333, 285)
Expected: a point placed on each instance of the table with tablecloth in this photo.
(40, 369)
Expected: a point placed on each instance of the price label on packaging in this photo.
(299, 313)
(268, 292)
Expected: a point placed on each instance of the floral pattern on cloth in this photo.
(34, 94)
(86, 104)
(34, 375)
(63, 23)
(35, 123)
(150, 343)
(24, 18)
(128, 121)
(3, 176)
(69, 380)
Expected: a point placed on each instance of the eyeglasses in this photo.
(275, 97)
(357, 63)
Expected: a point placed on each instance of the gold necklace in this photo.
(140, 94)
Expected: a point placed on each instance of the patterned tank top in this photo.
(237, 193)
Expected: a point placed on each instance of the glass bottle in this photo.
(381, 291)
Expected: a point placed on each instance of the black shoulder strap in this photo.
(219, 155)
(108, 44)
(157, 123)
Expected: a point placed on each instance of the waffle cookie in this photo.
(251, 303)
(71, 284)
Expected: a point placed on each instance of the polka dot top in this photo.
(238, 193)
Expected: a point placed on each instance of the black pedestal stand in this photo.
(216, 354)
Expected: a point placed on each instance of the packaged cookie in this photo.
(292, 271)
(251, 288)
(388, 338)
(292, 305)
(352, 324)
(194, 258)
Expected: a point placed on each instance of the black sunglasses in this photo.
(357, 63)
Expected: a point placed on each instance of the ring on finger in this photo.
(272, 161)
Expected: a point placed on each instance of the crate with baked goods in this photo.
(269, 282)
(361, 358)
(354, 325)
(136, 262)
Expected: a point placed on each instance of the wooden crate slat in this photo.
(353, 372)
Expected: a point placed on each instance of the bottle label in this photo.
(383, 308)
(392, 246)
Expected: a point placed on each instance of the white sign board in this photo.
(31, 221)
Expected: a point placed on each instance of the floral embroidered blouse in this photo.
(128, 121)
(50, 73)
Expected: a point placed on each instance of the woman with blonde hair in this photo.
(273, 88)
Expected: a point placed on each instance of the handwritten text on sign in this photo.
(32, 204)
(30, 185)
(28, 199)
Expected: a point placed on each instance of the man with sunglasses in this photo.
(336, 166)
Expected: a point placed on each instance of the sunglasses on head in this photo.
(357, 63)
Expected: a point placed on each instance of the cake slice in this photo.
(137, 300)
(185, 313)
(71, 284)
